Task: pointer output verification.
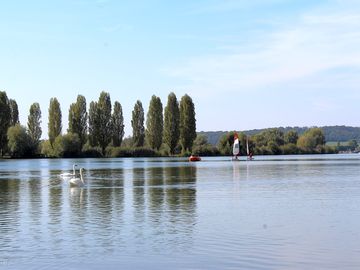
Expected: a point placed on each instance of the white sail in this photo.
(236, 147)
(247, 146)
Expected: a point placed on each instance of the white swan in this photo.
(76, 181)
(69, 175)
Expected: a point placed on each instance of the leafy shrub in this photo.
(67, 145)
(132, 152)
(19, 142)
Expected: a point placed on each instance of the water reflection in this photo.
(175, 214)
(9, 215)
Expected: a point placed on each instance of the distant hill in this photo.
(332, 133)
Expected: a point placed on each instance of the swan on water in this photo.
(76, 181)
(69, 175)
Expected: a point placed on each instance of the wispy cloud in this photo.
(317, 42)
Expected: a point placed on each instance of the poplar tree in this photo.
(78, 119)
(33, 124)
(187, 123)
(117, 122)
(54, 125)
(171, 123)
(137, 124)
(5, 120)
(93, 124)
(104, 131)
(155, 123)
(14, 112)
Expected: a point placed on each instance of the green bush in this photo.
(67, 145)
(46, 149)
(289, 149)
(206, 150)
(132, 152)
(19, 142)
(91, 152)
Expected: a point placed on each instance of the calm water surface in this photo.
(286, 212)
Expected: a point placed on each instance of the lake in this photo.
(276, 212)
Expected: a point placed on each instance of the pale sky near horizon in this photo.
(246, 64)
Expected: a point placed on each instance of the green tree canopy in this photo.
(313, 140)
(155, 123)
(172, 123)
(137, 124)
(67, 145)
(93, 124)
(187, 123)
(33, 124)
(117, 122)
(78, 119)
(19, 142)
(54, 125)
(5, 120)
(104, 120)
(291, 137)
(14, 112)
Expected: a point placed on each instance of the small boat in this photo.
(249, 154)
(236, 147)
(194, 158)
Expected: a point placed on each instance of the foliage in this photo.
(78, 119)
(104, 131)
(137, 124)
(46, 149)
(353, 145)
(19, 142)
(332, 133)
(67, 145)
(312, 141)
(5, 120)
(201, 147)
(132, 152)
(100, 124)
(54, 124)
(225, 143)
(187, 123)
(91, 151)
(93, 124)
(289, 149)
(291, 137)
(172, 123)
(14, 112)
(33, 125)
(155, 123)
(117, 122)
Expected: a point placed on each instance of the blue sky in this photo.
(246, 64)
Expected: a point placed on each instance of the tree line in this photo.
(268, 142)
(99, 131)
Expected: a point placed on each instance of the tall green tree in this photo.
(117, 121)
(93, 123)
(5, 120)
(137, 124)
(54, 125)
(104, 131)
(14, 112)
(172, 123)
(155, 123)
(78, 119)
(187, 123)
(33, 124)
